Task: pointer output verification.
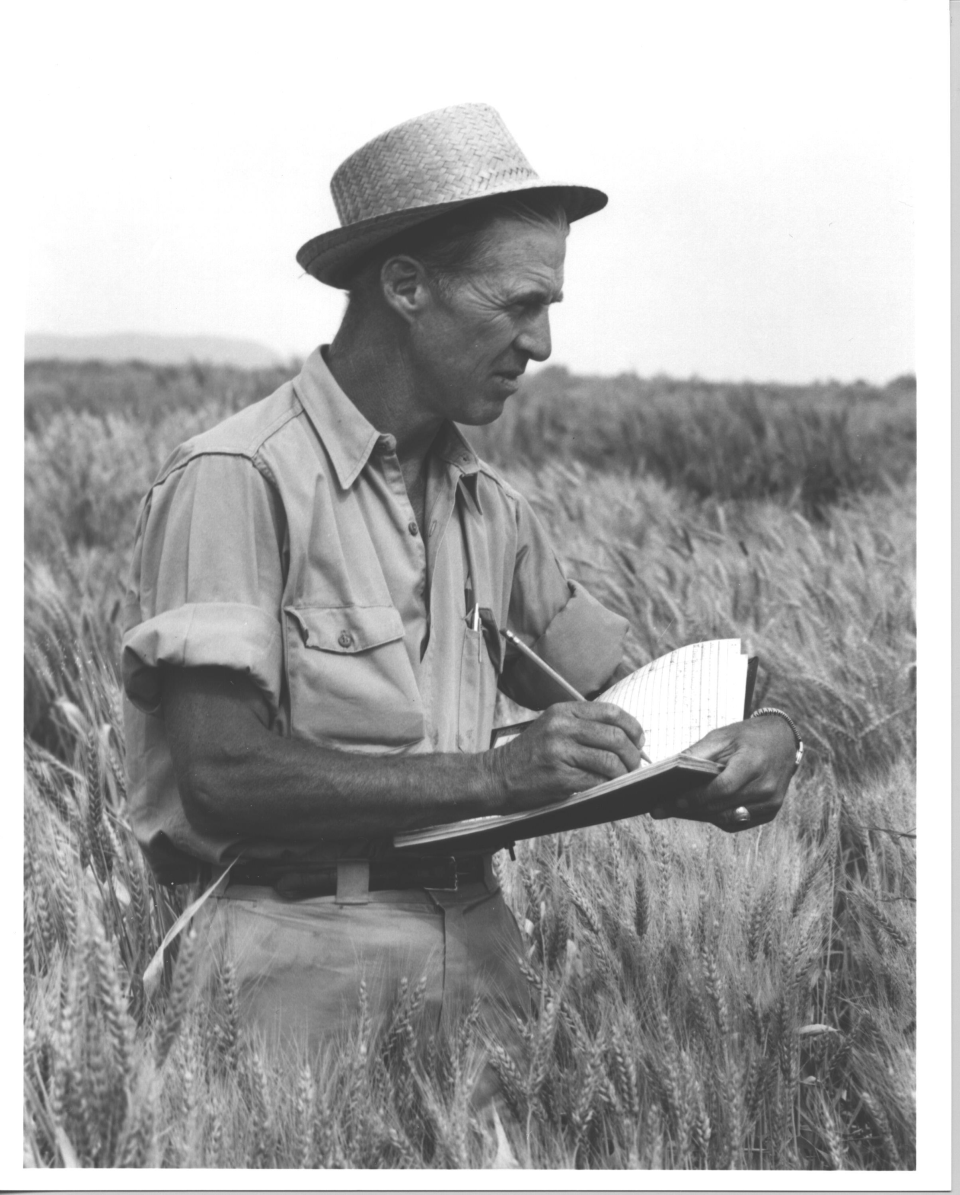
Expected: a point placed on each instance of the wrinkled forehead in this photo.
(526, 254)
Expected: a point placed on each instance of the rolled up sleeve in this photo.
(566, 626)
(207, 579)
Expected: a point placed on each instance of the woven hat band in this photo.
(448, 156)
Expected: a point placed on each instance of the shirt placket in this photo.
(422, 569)
(441, 501)
(407, 532)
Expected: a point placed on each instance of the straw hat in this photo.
(421, 169)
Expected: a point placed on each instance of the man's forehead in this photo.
(527, 258)
(534, 286)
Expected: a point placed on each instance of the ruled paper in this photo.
(684, 695)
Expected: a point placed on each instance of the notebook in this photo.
(677, 699)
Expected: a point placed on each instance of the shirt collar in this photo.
(450, 446)
(350, 438)
(453, 450)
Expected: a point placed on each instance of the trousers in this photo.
(299, 964)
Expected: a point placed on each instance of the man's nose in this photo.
(534, 340)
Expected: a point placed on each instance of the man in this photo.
(304, 675)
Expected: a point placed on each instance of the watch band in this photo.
(769, 710)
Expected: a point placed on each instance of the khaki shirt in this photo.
(282, 544)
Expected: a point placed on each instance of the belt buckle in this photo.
(452, 860)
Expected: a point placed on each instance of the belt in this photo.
(299, 881)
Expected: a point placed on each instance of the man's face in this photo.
(474, 338)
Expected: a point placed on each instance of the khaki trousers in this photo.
(299, 963)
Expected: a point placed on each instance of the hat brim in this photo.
(330, 257)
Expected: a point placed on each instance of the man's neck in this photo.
(370, 367)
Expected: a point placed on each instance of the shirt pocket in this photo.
(350, 680)
(478, 693)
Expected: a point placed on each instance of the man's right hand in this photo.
(570, 747)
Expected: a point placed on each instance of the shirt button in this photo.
(413, 528)
(345, 639)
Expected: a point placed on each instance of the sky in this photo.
(758, 159)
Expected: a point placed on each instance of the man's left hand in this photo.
(758, 762)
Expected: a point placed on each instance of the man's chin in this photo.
(481, 414)
(489, 414)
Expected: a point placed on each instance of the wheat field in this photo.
(705, 1001)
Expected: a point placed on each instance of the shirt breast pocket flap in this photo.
(347, 629)
(351, 682)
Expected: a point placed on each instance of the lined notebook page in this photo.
(684, 695)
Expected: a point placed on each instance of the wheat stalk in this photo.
(327, 1148)
(807, 881)
(179, 993)
(120, 1027)
(135, 1145)
(734, 1108)
(585, 1107)
(625, 1072)
(755, 1018)
(511, 1080)
(306, 1104)
(714, 984)
(641, 905)
(886, 923)
(98, 852)
(879, 1118)
(831, 1135)
(758, 923)
(66, 896)
(701, 1122)
(543, 1048)
(262, 1112)
(229, 1036)
(213, 1144)
(46, 930)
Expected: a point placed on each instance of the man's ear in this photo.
(403, 281)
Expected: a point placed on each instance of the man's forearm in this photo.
(236, 776)
(291, 790)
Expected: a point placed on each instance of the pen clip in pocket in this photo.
(491, 637)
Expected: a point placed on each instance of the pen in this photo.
(542, 665)
(548, 671)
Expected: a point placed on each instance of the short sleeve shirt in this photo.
(282, 544)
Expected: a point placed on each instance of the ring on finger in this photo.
(741, 814)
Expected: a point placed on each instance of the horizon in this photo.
(295, 361)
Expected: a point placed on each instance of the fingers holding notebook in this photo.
(570, 747)
(757, 757)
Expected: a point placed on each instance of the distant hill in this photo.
(157, 350)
